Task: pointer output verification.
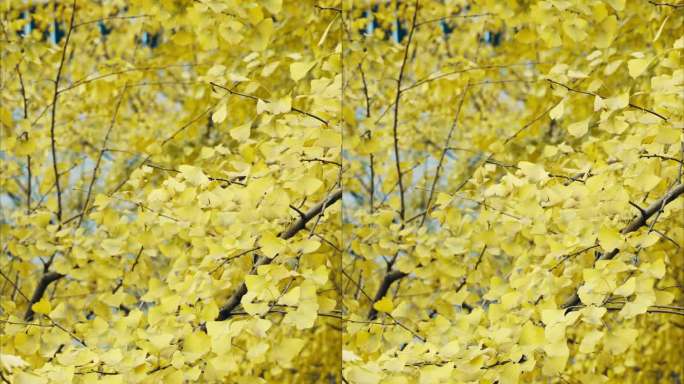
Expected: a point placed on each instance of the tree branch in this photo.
(55, 95)
(395, 123)
(444, 152)
(572, 302)
(597, 95)
(99, 158)
(45, 281)
(255, 98)
(49, 277)
(387, 281)
(675, 6)
(28, 157)
(14, 284)
(298, 225)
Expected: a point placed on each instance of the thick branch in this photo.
(634, 225)
(44, 282)
(382, 290)
(292, 230)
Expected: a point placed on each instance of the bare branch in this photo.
(55, 95)
(663, 157)
(252, 97)
(444, 152)
(597, 95)
(99, 158)
(14, 284)
(28, 157)
(473, 16)
(395, 122)
(571, 255)
(666, 4)
(114, 17)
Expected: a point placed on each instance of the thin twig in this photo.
(55, 95)
(324, 161)
(16, 288)
(597, 95)
(529, 124)
(454, 124)
(110, 18)
(454, 17)
(255, 98)
(571, 255)
(477, 264)
(227, 259)
(666, 4)
(28, 157)
(395, 123)
(649, 155)
(99, 158)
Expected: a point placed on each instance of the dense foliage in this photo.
(157, 160)
(503, 155)
(342, 191)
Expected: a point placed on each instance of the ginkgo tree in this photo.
(513, 172)
(341, 191)
(170, 192)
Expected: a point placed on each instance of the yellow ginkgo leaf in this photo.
(579, 128)
(609, 238)
(384, 305)
(29, 378)
(648, 182)
(304, 316)
(617, 5)
(220, 114)
(286, 351)
(10, 362)
(575, 28)
(638, 66)
(291, 298)
(617, 102)
(622, 338)
(592, 314)
(241, 132)
(299, 70)
(589, 341)
(526, 36)
(534, 172)
(627, 288)
(273, 6)
(43, 307)
(557, 111)
(433, 374)
(193, 174)
(309, 184)
(325, 33)
(271, 245)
